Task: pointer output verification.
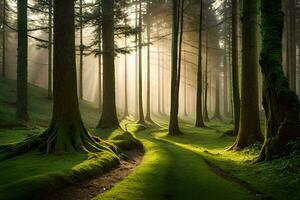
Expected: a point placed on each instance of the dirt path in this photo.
(88, 189)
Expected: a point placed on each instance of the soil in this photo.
(91, 188)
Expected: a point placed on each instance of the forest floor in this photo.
(194, 165)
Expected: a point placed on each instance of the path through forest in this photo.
(169, 171)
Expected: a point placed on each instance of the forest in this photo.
(149, 99)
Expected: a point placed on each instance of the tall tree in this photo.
(205, 111)
(81, 47)
(249, 129)
(66, 132)
(148, 113)
(3, 38)
(50, 40)
(235, 67)
(217, 113)
(126, 112)
(177, 20)
(141, 119)
(199, 114)
(109, 117)
(281, 104)
(22, 66)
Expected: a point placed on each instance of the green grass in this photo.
(33, 173)
(171, 172)
(30, 175)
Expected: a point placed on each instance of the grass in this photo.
(278, 179)
(170, 172)
(31, 174)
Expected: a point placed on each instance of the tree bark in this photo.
(199, 114)
(109, 117)
(173, 124)
(141, 119)
(205, 111)
(148, 112)
(235, 68)
(80, 51)
(50, 39)
(22, 66)
(281, 104)
(249, 129)
(4, 39)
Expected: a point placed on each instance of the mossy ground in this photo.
(31, 174)
(172, 168)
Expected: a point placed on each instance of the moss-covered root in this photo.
(280, 103)
(63, 137)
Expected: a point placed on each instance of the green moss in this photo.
(34, 173)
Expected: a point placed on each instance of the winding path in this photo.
(170, 172)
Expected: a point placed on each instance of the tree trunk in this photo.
(80, 51)
(22, 66)
(185, 87)
(3, 39)
(292, 43)
(249, 130)
(126, 113)
(205, 111)
(173, 125)
(148, 115)
(136, 62)
(109, 117)
(100, 63)
(199, 114)
(217, 115)
(235, 67)
(158, 76)
(50, 39)
(141, 119)
(281, 104)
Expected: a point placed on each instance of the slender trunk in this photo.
(292, 43)
(141, 119)
(158, 77)
(225, 71)
(126, 80)
(199, 113)
(109, 117)
(148, 115)
(173, 125)
(205, 111)
(22, 68)
(50, 50)
(136, 63)
(249, 129)
(3, 38)
(163, 111)
(185, 87)
(217, 114)
(235, 67)
(80, 51)
(100, 63)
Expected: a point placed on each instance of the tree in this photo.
(199, 114)
(81, 48)
(281, 104)
(205, 111)
(141, 119)
(3, 38)
(148, 113)
(177, 20)
(22, 98)
(50, 39)
(235, 68)
(249, 129)
(66, 132)
(109, 117)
